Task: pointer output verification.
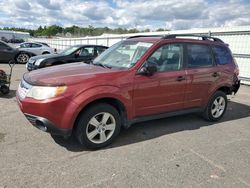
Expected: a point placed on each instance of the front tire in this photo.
(98, 126)
(22, 58)
(216, 107)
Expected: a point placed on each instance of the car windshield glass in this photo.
(123, 54)
(69, 50)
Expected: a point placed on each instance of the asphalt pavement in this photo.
(183, 151)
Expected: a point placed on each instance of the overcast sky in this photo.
(142, 14)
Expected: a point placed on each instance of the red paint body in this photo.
(139, 94)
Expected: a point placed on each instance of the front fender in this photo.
(102, 92)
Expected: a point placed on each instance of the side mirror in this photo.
(148, 69)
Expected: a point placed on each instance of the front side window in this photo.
(199, 56)
(222, 55)
(168, 57)
(25, 45)
(123, 55)
(87, 51)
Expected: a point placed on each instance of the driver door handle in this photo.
(180, 78)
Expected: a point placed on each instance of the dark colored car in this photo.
(138, 79)
(77, 53)
(8, 53)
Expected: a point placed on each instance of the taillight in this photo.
(236, 70)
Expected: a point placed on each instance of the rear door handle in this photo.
(180, 78)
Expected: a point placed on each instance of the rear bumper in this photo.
(47, 126)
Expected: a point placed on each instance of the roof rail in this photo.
(137, 36)
(204, 37)
(171, 36)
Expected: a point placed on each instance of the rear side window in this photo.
(36, 45)
(222, 55)
(100, 50)
(199, 56)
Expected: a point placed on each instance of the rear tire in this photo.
(98, 126)
(22, 58)
(216, 107)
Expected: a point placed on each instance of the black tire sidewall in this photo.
(85, 117)
(208, 112)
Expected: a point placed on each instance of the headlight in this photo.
(42, 92)
(37, 63)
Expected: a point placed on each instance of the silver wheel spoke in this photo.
(103, 137)
(105, 118)
(92, 134)
(110, 127)
(94, 122)
(221, 100)
(216, 102)
(214, 110)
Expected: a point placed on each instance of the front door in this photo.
(164, 91)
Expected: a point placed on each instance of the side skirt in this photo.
(163, 115)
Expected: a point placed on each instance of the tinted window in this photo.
(25, 45)
(222, 55)
(199, 56)
(167, 57)
(100, 50)
(33, 45)
(87, 51)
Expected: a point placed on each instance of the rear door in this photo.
(202, 75)
(164, 91)
(36, 48)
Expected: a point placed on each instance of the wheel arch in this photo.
(116, 103)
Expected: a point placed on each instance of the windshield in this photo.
(123, 54)
(69, 50)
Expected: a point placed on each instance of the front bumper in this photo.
(55, 116)
(47, 126)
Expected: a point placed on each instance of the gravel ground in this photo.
(183, 151)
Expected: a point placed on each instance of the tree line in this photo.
(75, 31)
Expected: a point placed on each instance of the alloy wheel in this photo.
(101, 127)
(218, 107)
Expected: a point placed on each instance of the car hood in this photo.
(47, 56)
(67, 74)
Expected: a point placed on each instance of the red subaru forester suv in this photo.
(138, 79)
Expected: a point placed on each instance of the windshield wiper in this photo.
(101, 65)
